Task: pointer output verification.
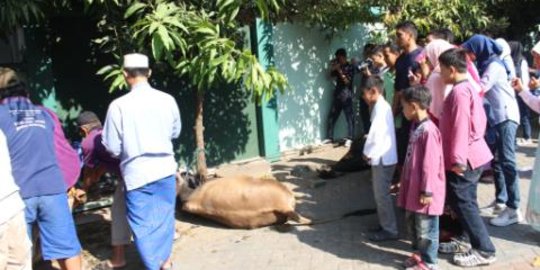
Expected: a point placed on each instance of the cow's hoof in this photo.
(283, 228)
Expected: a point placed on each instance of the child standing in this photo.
(463, 125)
(422, 189)
(380, 151)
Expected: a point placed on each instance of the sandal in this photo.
(419, 266)
(412, 261)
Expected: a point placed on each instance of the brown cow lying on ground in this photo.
(239, 202)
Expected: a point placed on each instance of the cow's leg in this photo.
(292, 215)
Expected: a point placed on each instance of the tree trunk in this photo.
(202, 170)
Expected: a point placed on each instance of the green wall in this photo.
(304, 56)
(60, 65)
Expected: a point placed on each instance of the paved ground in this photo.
(341, 245)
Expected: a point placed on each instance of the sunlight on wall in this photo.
(303, 54)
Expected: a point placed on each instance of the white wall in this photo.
(303, 54)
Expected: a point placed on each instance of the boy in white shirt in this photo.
(380, 151)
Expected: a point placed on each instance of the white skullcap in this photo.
(136, 60)
(536, 48)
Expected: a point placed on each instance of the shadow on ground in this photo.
(345, 238)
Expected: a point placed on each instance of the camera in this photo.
(366, 64)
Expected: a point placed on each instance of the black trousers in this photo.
(365, 116)
(338, 105)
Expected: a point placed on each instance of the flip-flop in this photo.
(412, 261)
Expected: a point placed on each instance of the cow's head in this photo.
(186, 184)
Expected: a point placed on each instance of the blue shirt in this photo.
(139, 130)
(29, 130)
(406, 62)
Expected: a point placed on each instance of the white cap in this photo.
(536, 48)
(136, 60)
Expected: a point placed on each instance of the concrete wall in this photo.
(303, 54)
(60, 66)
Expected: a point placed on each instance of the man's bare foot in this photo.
(116, 263)
(108, 265)
(167, 265)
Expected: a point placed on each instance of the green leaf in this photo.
(157, 47)
(263, 8)
(105, 69)
(165, 38)
(135, 7)
(223, 4)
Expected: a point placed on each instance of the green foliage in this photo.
(113, 73)
(28, 10)
(14, 13)
(463, 17)
(331, 15)
(199, 40)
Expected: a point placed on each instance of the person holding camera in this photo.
(377, 63)
(343, 72)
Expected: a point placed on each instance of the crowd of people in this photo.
(436, 117)
(38, 166)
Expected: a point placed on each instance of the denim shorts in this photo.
(56, 227)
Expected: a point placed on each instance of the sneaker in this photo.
(375, 229)
(508, 217)
(383, 236)
(524, 142)
(493, 208)
(473, 258)
(327, 141)
(348, 143)
(454, 246)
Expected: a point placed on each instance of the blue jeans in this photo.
(424, 232)
(462, 197)
(525, 117)
(504, 165)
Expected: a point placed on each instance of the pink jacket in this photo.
(423, 171)
(463, 126)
